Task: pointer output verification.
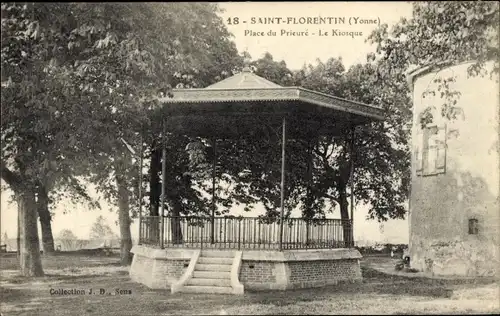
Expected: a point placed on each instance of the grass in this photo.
(380, 293)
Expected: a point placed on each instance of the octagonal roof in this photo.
(235, 104)
(244, 80)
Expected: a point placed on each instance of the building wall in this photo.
(467, 184)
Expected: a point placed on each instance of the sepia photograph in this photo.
(250, 158)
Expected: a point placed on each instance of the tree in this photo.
(152, 62)
(41, 156)
(101, 230)
(33, 91)
(318, 170)
(45, 219)
(67, 240)
(212, 57)
(179, 59)
(67, 234)
(274, 71)
(113, 58)
(441, 34)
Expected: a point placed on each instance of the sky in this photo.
(343, 35)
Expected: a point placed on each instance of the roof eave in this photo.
(273, 94)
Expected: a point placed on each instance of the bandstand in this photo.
(213, 254)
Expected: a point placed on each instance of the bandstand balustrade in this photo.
(244, 232)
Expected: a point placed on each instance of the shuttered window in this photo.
(431, 159)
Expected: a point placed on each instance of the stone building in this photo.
(455, 187)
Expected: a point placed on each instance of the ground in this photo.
(380, 293)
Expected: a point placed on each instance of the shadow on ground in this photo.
(374, 282)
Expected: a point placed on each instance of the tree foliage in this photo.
(101, 229)
(441, 34)
(274, 71)
(318, 171)
(78, 77)
(67, 234)
(36, 146)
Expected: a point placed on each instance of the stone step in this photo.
(213, 267)
(217, 253)
(212, 275)
(206, 289)
(214, 260)
(209, 282)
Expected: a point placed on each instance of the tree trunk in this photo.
(154, 180)
(154, 193)
(18, 238)
(45, 220)
(344, 215)
(30, 260)
(308, 232)
(124, 218)
(309, 212)
(176, 220)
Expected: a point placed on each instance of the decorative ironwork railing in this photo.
(244, 232)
